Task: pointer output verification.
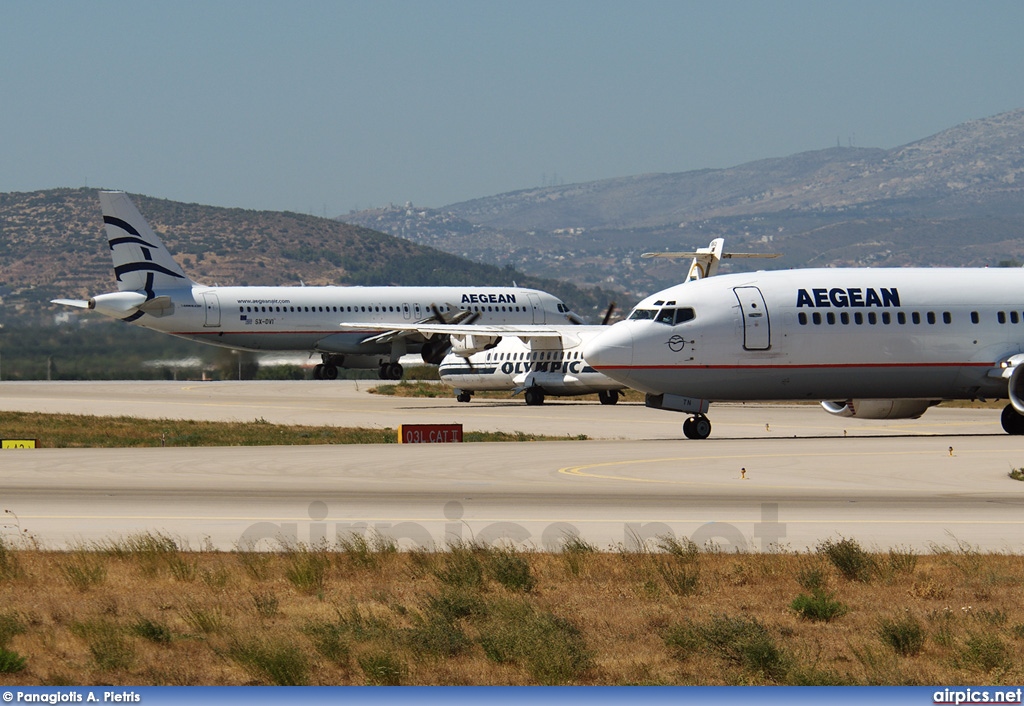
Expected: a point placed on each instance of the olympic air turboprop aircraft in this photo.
(872, 343)
(549, 363)
(154, 292)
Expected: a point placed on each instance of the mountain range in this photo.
(954, 198)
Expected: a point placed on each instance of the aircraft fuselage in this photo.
(822, 334)
(307, 318)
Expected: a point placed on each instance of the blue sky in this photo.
(321, 107)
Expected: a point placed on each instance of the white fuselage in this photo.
(308, 318)
(822, 334)
(556, 365)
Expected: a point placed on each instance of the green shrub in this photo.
(511, 570)
(746, 643)
(151, 630)
(904, 634)
(985, 651)
(10, 661)
(849, 558)
(433, 634)
(819, 606)
(551, 649)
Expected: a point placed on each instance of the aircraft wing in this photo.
(471, 338)
(392, 332)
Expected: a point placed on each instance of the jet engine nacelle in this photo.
(1016, 389)
(879, 409)
(470, 343)
(117, 303)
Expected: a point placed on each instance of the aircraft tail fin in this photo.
(141, 260)
(706, 260)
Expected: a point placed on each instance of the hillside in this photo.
(52, 244)
(954, 198)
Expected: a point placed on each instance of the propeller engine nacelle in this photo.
(469, 343)
(879, 409)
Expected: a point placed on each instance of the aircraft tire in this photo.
(608, 396)
(1012, 421)
(318, 371)
(330, 372)
(533, 396)
(390, 371)
(698, 427)
(464, 396)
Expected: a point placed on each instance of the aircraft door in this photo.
(757, 334)
(212, 309)
(538, 309)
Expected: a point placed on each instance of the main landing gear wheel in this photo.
(697, 427)
(391, 371)
(464, 396)
(325, 371)
(534, 396)
(1013, 422)
(608, 396)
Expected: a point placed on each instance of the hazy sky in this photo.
(322, 107)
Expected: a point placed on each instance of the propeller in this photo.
(608, 314)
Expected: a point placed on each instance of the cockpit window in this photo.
(669, 315)
(684, 314)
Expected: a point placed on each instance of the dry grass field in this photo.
(142, 610)
(84, 431)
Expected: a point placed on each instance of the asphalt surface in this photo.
(770, 476)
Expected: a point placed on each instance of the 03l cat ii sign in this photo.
(429, 433)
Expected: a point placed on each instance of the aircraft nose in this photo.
(611, 351)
